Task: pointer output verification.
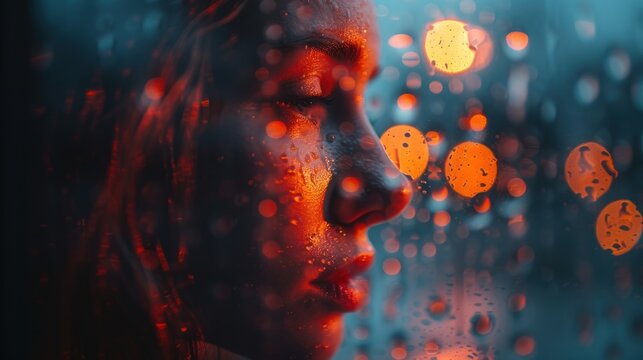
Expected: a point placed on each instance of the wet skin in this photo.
(276, 286)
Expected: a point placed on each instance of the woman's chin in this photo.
(316, 338)
(298, 336)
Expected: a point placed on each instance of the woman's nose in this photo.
(366, 187)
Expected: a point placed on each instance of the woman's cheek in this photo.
(292, 175)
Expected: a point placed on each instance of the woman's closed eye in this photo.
(303, 94)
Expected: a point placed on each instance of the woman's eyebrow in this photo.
(339, 50)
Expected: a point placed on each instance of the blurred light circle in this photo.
(482, 324)
(517, 302)
(454, 47)
(618, 227)
(467, 6)
(524, 345)
(516, 187)
(392, 266)
(155, 88)
(517, 40)
(478, 122)
(516, 45)
(586, 89)
(435, 87)
(618, 65)
(276, 129)
(413, 81)
(589, 170)
(407, 148)
(586, 29)
(411, 59)
(470, 169)
(400, 41)
(406, 101)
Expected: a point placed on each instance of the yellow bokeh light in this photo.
(407, 148)
(453, 47)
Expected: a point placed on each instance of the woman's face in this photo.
(289, 177)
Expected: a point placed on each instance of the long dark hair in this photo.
(117, 297)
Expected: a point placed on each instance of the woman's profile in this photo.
(240, 186)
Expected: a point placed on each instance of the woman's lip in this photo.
(346, 295)
(343, 286)
(360, 264)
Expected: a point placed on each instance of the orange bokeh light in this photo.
(470, 169)
(347, 83)
(441, 219)
(440, 194)
(517, 40)
(454, 47)
(155, 88)
(478, 122)
(516, 187)
(483, 205)
(407, 148)
(406, 101)
(525, 345)
(482, 324)
(434, 138)
(437, 307)
(400, 41)
(392, 266)
(435, 87)
(589, 170)
(276, 129)
(398, 353)
(618, 227)
(351, 184)
(431, 347)
(267, 208)
(517, 302)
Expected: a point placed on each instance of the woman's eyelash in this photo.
(304, 103)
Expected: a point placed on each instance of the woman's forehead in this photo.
(351, 20)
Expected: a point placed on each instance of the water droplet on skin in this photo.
(330, 137)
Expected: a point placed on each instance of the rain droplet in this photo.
(482, 324)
